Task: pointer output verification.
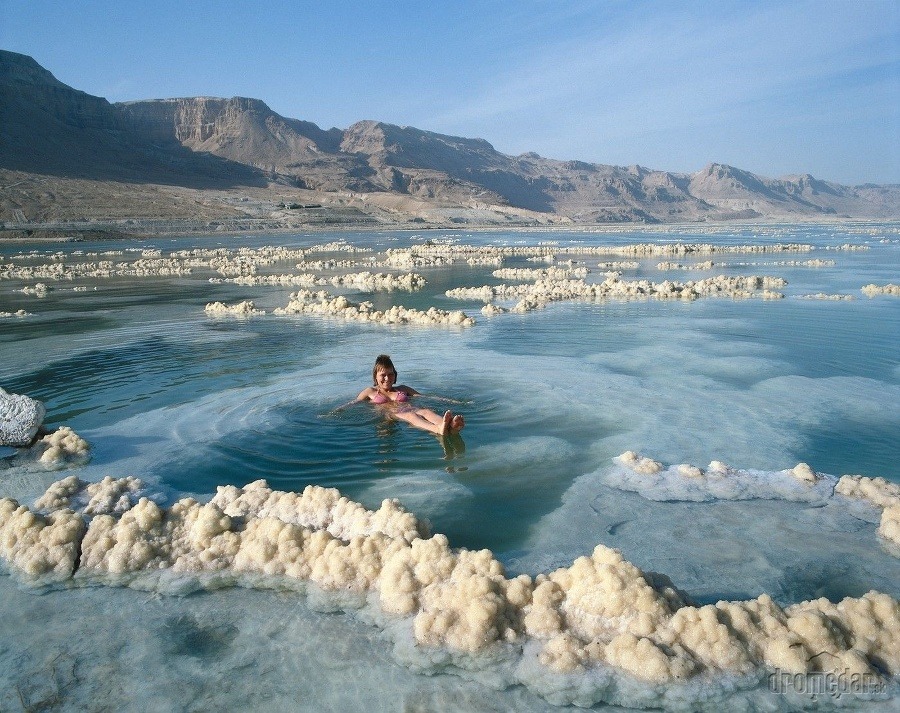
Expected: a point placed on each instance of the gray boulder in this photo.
(20, 419)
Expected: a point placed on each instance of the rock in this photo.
(20, 419)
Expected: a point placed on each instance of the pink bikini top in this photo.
(380, 398)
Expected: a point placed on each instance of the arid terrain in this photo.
(72, 163)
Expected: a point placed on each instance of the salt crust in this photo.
(881, 494)
(19, 313)
(302, 280)
(719, 481)
(872, 290)
(369, 282)
(241, 309)
(600, 613)
(535, 295)
(323, 304)
(38, 290)
(823, 296)
(549, 273)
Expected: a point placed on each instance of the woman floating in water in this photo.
(395, 398)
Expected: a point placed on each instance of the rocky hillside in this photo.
(51, 129)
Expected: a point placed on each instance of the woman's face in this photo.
(385, 378)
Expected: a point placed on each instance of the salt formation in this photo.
(602, 613)
(619, 265)
(108, 496)
(337, 246)
(804, 473)
(369, 282)
(823, 296)
(544, 291)
(18, 313)
(550, 273)
(20, 419)
(872, 290)
(881, 494)
(38, 290)
(62, 447)
(708, 265)
(241, 309)
(491, 310)
(653, 249)
(323, 304)
(327, 264)
(639, 464)
(410, 258)
(302, 280)
(718, 481)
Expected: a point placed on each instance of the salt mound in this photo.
(872, 290)
(369, 282)
(62, 447)
(881, 494)
(323, 304)
(545, 290)
(241, 309)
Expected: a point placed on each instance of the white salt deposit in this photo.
(824, 296)
(302, 280)
(880, 494)
(38, 290)
(62, 447)
(602, 614)
(544, 291)
(245, 308)
(872, 290)
(322, 304)
(549, 273)
(686, 482)
(372, 282)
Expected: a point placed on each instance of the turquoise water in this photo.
(188, 402)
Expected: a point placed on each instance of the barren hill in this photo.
(201, 150)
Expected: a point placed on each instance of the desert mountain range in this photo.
(67, 158)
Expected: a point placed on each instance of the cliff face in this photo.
(40, 118)
(48, 127)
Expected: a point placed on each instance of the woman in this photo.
(395, 399)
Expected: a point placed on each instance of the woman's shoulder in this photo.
(366, 393)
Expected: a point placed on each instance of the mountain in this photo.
(390, 173)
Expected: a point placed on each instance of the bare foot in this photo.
(445, 426)
(457, 423)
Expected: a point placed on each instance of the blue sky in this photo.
(774, 87)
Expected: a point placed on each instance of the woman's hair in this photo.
(382, 363)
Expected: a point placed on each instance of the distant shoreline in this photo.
(35, 234)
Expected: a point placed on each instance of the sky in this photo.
(776, 87)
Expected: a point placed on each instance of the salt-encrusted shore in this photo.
(601, 614)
